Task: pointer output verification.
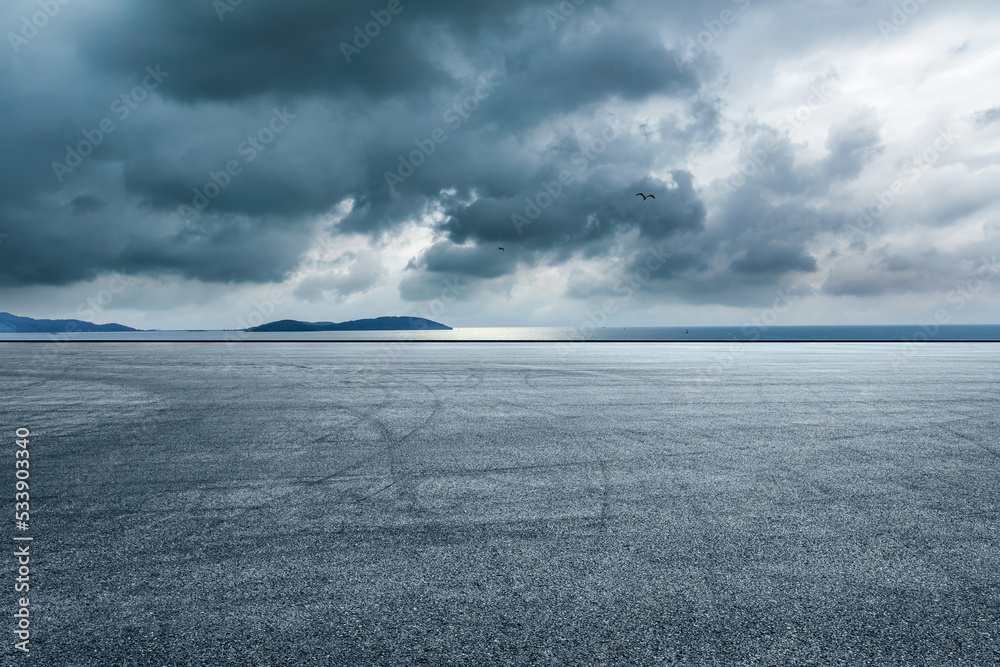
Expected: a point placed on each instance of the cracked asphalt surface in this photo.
(477, 504)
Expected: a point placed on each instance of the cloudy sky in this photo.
(190, 163)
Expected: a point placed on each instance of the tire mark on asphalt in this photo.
(597, 454)
(403, 480)
(974, 441)
(360, 416)
(372, 495)
(66, 368)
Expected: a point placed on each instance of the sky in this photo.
(216, 164)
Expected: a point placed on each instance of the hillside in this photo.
(15, 324)
(371, 324)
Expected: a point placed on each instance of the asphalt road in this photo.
(476, 504)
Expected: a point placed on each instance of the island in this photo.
(371, 324)
(15, 324)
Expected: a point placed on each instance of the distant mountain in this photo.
(14, 324)
(373, 324)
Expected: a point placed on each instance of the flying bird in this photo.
(644, 197)
(500, 249)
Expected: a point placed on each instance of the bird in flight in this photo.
(500, 249)
(644, 197)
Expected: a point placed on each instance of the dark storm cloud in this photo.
(625, 62)
(350, 122)
(282, 49)
(852, 144)
(223, 77)
(774, 257)
(769, 158)
(460, 115)
(588, 210)
(769, 216)
(228, 254)
(478, 261)
(586, 218)
(83, 204)
(766, 225)
(766, 220)
(887, 271)
(54, 247)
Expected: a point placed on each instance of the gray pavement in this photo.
(477, 504)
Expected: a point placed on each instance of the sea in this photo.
(751, 333)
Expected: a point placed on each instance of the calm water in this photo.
(976, 332)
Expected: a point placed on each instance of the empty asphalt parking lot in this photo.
(509, 504)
